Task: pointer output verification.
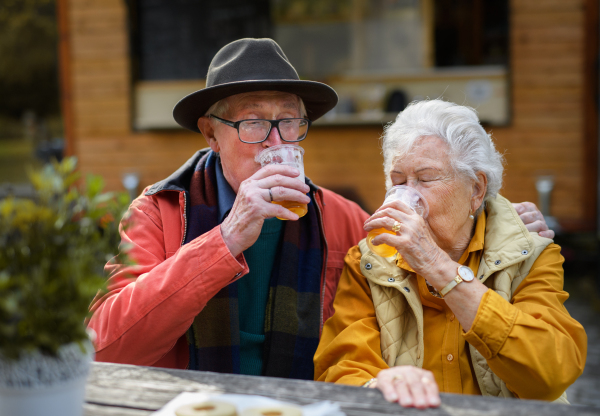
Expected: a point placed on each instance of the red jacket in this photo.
(149, 307)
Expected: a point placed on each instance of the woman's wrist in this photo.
(445, 271)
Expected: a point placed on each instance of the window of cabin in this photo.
(378, 54)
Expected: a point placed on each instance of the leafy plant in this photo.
(52, 253)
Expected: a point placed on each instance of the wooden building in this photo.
(547, 125)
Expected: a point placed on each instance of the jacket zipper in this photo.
(187, 367)
(324, 271)
(184, 218)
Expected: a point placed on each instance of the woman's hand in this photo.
(410, 386)
(414, 241)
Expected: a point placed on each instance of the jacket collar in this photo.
(180, 179)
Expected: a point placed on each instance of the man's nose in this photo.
(273, 139)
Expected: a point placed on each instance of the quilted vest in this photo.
(509, 252)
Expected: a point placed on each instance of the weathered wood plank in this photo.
(539, 6)
(148, 388)
(537, 19)
(99, 410)
(549, 34)
(100, 66)
(523, 47)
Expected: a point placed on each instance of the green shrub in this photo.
(52, 253)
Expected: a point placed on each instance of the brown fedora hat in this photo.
(248, 65)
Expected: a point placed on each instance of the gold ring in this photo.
(397, 377)
(271, 194)
(396, 227)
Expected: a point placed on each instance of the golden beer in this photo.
(408, 196)
(382, 250)
(296, 207)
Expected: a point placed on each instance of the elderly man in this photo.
(220, 284)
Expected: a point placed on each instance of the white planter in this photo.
(40, 385)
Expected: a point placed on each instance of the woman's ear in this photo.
(479, 191)
(208, 131)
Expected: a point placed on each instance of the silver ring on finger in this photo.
(271, 194)
(425, 380)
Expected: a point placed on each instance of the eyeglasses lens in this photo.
(255, 131)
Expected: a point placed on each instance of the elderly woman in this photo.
(473, 302)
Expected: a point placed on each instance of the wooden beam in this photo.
(590, 109)
(64, 60)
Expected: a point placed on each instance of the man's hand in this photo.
(533, 219)
(253, 204)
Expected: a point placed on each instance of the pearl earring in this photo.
(471, 216)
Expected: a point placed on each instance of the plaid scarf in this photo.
(292, 315)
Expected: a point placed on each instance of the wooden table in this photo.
(126, 390)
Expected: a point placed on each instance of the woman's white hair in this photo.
(471, 148)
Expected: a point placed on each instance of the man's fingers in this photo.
(275, 169)
(547, 234)
(530, 217)
(282, 181)
(524, 207)
(285, 194)
(537, 226)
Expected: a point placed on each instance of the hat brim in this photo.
(318, 98)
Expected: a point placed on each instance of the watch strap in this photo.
(451, 285)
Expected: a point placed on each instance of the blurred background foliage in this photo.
(31, 130)
(28, 68)
(54, 248)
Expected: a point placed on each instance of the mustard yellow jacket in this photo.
(527, 347)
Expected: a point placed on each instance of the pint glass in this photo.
(410, 197)
(291, 155)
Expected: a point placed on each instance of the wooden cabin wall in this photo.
(545, 134)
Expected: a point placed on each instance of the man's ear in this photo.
(479, 191)
(208, 131)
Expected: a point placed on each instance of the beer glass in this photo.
(410, 197)
(291, 155)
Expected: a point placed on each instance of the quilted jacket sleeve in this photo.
(149, 306)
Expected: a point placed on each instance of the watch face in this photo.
(466, 273)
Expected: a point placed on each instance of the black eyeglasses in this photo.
(257, 130)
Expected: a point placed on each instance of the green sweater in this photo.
(253, 290)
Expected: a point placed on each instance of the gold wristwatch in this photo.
(465, 274)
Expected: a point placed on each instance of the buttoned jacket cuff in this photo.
(492, 325)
